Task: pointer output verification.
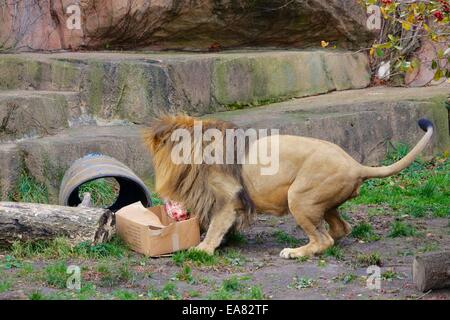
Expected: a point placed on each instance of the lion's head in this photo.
(190, 183)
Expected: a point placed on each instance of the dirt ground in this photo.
(254, 260)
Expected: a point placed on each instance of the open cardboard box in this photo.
(152, 232)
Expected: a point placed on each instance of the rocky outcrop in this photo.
(136, 87)
(180, 24)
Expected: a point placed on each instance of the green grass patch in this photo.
(236, 238)
(125, 295)
(389, 275)
(401, 229)
(348, 278)
(420, 190)
(87, 291)
(193, 294)
(29, 190)
(62, 249)
(302, 259)
(369, 259)
(36, 295)
(301, 283)
(185, 274)
(197, 257)
(113, 274)
(364, 231)
(322, 263)
(283, 237)
(167, 292)
(236, 288)
(5, 285)
(232, 257)
(55, 274)
(335, 252)
(104, 191)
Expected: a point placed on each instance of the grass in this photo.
(235, 288)
(197, 257)
(302, 259)
(301, 283)
(36, 295)
(335, 252)
(236, 238)
(55, 274)
(61, 248)
(29, 190)
(167, 292)
(185, 274)
(284, 238)
(401, 229)
(88, 290)
(113, 274)
(125, 295)
(389, 275)
(5, 285)
(364, 231)
(348, 278)
(420, 190)
(232, 257)
(369, 259)
(104, 191)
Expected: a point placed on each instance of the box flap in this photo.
(137, 213)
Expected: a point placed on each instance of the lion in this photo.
(314, 178)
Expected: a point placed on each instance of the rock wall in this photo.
(180, 24)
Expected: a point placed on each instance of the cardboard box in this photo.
(152, 232)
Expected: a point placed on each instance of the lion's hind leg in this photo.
(339, 228)
(310, 217)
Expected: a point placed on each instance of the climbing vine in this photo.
(405, 26)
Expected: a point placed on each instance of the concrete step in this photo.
(136, 86)
(25, 114)
(363, 122)
(46, 159)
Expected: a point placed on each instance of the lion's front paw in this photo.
(206, 248)
(289, 253)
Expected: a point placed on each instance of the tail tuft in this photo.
(425, 124)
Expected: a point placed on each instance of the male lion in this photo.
(314, 178)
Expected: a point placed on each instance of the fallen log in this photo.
(432, 271)
(32, 221)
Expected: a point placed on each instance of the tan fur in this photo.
(314, 178)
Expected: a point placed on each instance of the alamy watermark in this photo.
(73, 22)
(212, 147)
(74, 280)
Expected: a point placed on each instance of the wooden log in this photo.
(432, 271)
(31, 221)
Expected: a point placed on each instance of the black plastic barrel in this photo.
(96, 166)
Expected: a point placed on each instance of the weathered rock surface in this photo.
(135, 87)
(185, 24)
(362, 122)
(25, 114)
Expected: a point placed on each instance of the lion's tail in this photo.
(381, 172)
